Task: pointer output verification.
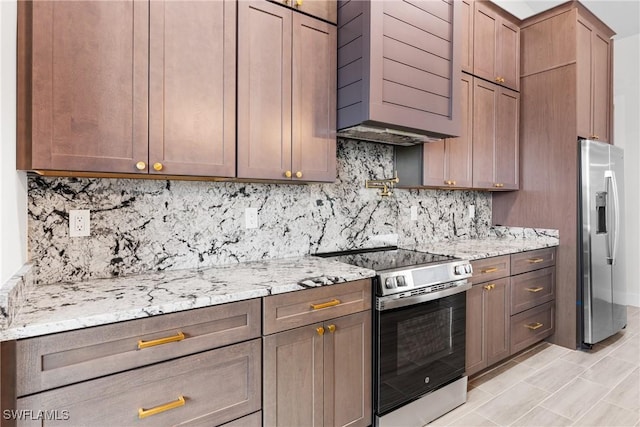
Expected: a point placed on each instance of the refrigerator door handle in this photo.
(613, 239)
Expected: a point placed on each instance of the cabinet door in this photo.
(594, 82)
(433, 158)
(508, 66)
(89, 85)
(476, 350)
(347, 375)
(264, 90)
(293, 377)
(314, 99)
(485, 103)
(486, 27)
(458, 151)
(496, 311)
(507, 140)
(466, 61)
(192, 81)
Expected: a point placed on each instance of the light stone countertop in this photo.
(67, 306)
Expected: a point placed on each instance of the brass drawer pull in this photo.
(332, 328)
(144, 413)
(489, 270)
(535, 260)
(327, 304)
(489, 287)
(498, 185)
(534, 290)
(145, 344)
(320, 331)
(534, 326)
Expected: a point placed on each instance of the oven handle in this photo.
(388, 302)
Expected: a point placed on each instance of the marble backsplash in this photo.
(151, 225)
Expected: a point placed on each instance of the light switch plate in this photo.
(251, 218)
(414, 213)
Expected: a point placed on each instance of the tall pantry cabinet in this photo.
(566, 92)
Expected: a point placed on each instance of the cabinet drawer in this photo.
(532, 260)
(295, 309)
(60, 359)
(531, 289)
(531, 326)
(217, 386)
(490, 268)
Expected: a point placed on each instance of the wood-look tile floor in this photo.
(553, 386)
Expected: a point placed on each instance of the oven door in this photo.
(419, 348)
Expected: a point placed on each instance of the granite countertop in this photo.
(67, 306)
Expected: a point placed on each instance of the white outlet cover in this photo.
(251, 218)
(79, 223)
(472, 211)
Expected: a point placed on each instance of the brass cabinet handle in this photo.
(174, 338)
(157, 166)
(498, 79)
(141, 166)
(534, 290)
(327, 304)
(285, 1)
(498, 185)
(298, 174)
(298, 3)
(450, 182)
(287, 174)
(595, 137)
(489, 287)
(332, 328)
(320, 330)
(534, 326)
(535, 260)
(489, 270)
(144, 413)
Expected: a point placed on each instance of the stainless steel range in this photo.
(419, 333)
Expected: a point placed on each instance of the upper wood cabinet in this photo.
(466, 60)
(594, 59)
(495, 136)
(446, 163)
(286, 94)
(496, 45)
(398, 64)
(127, 87)
(323, 9)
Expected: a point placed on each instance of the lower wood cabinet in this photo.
(206, 388)
(506, 314)
(319, 374)
(487, 324)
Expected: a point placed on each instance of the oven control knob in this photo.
(401, 281)
(458, 269)
(390, 283)
(467, 268)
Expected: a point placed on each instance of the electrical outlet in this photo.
(414, 213)
(79, 223)
(251, 218)
(472, 211)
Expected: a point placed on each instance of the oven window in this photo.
(418, 349)
(423, 339)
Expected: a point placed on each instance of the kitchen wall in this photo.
(13, 185)
(627, 135)
(142, 225)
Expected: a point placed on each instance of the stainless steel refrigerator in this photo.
(601, 241)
